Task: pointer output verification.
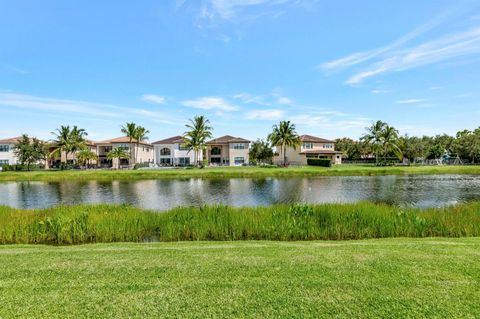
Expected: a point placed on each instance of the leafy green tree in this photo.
(195, 138)
(389, 140)
(284, 135)
(260, 152)
(350, 148)
(29, 150)
(117, 153)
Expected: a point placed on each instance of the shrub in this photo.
(319, 162)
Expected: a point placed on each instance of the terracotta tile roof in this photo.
(123, 139)
(171, 140)
(228, 139)
(320, 152)
(12, 140)
(314, 139)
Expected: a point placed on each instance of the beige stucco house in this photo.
(143, 152)
(310, 147)
(172, 152)
(227, 150)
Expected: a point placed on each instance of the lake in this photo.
(412, 190)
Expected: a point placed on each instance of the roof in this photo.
(228, 139)
(123, 139)
(314, 139)
(12, 140)
(320, 152)
(171, 140)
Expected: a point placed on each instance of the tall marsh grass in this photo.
(110, 223)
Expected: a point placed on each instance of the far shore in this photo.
(234, 172)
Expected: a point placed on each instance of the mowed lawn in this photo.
(234, 172)
(390, 278)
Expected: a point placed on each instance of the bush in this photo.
(319, 162)
(141, 165)
(20, 167)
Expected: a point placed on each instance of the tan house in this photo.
(143, 152)
(310, 147)
(227, 150)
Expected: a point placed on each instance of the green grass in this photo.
(386, 278)
(226, 172)
(109, 223)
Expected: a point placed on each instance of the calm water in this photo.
(420, 191)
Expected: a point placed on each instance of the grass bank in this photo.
(386, 278)
(232, 172)
(108, 223)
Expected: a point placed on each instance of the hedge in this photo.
(319, 162)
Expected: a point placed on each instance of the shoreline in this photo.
(235, 172)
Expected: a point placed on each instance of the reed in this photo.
(64, 225)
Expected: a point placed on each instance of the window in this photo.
(4, 148)
(308, 146)
(328, 145)
(184, 161)
(216, 151)
(4, 162)
(124, 147)
(239, 160)
(165, 161)
(182, 147)
(238, 146)
(165, 151)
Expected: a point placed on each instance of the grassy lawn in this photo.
(220, 172)
(388, 278)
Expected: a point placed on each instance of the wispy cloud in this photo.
(233, 9)
(74, 107)
(268, 114)
(410, 101)
(154, 98)
(248, 98)
(211, 103)
(379, 91)
(14, 69)
(281, 98)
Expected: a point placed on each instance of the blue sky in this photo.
(331, 67)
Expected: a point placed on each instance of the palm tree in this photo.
(130, 130)
(390, 142)
(68, 140)
(85, 155)
(374, 137)
(199, 130)
(117, 153)
(284, 135)
(140, 136)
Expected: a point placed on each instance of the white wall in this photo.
(9, 156)
(175, 153)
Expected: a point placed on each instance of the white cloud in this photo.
(14, 69)
(410, 101)
(73, 107)
(154, 98)
(231, 9)
(280, 97)
(379, 91)
(248, 98)
(211, 103)
(268, 115)
(360, 57)
(438, 50)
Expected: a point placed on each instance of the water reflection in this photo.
(420, 191)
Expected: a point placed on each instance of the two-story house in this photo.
(310, 147)
(172, 152)
(7, 156)
(142, 151)
(227, 150)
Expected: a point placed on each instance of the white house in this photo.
(7, 155)
(172, 152)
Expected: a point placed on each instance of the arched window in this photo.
(216, 151)
(165, 151)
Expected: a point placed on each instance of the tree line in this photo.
(384, 143)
